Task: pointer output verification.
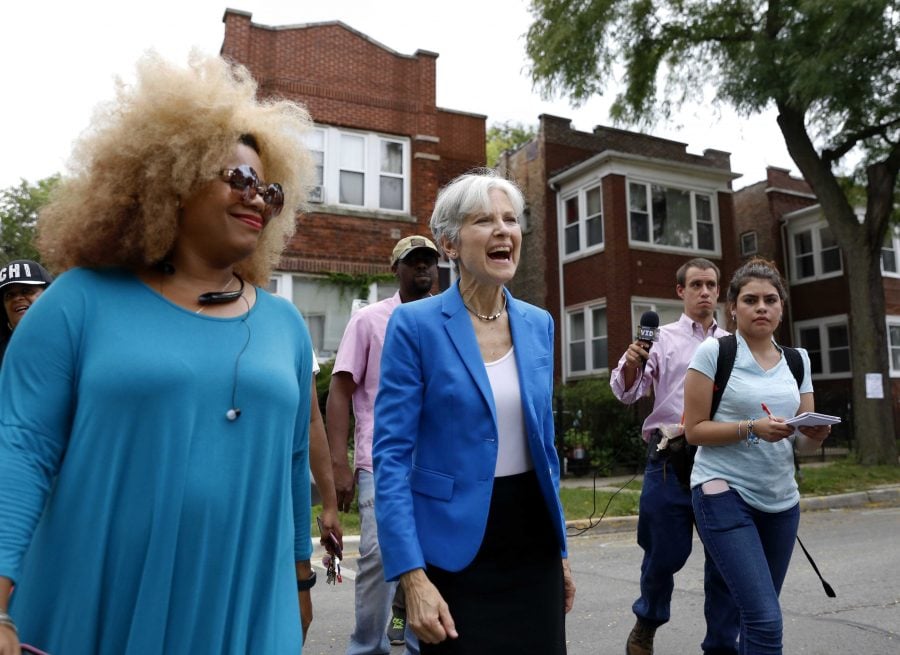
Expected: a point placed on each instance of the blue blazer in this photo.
(435, 442)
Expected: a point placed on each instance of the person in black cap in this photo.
(21, 282)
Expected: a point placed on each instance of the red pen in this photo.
(766, 410)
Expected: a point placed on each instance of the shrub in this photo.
(589, 416)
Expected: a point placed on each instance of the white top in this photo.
(513, 455)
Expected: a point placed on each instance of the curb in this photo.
(878, 497)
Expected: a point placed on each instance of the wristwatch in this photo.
(309, 583)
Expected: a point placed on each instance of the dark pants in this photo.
(752, 548)
(665, 532)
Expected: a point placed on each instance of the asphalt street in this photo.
(857, 550)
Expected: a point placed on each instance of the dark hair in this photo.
(756, 269)
(698, 262)
(250, 141)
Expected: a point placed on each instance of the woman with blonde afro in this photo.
(154, 476)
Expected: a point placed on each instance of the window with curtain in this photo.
(663, 216)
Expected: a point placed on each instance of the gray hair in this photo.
(465, 195)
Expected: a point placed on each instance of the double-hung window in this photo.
(671, 218)
(583, 220)
(360, 170)
(890, 252)
(587, 340)
(893, 339)
(814, 253)
(668, 311)
(828, 342)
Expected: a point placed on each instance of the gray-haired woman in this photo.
(466, 472)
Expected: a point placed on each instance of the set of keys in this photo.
(333, 556)
(332, 566)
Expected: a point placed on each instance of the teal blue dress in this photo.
(135, 518)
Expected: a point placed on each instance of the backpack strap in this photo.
(724, 364)
(794, 362)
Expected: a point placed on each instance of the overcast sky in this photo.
(60, 57)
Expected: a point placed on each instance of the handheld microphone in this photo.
(648, 330)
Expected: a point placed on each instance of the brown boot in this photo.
(640, 641)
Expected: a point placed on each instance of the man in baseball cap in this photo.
(354, 383)
(407, 245)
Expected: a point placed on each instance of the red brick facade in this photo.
(619, 272)
(350, 81)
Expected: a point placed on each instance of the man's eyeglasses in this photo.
(245, 180)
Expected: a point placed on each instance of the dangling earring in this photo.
(733, 316)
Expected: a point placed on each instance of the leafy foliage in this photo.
(590, 417)
(506, 136)
(356, 284)
(19, 206)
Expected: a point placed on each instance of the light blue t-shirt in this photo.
(763, 473)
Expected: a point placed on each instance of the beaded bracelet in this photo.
(6, 619)
(752, 439)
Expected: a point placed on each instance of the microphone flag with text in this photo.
(648, 329)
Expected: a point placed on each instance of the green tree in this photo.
(505, 136)
(19, 206)
(829, 67)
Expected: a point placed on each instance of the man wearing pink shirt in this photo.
(666, 518)
(355, 379)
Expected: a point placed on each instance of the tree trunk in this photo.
(873, 419)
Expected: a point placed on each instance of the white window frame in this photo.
(372, 173)
(585, 310)
(317, 193)
(747, 249)
(639, 305)
(694, 193)
(580, 196)
(282, 285)
(893, 235)
(815, 229)
(892, 321)
(822, 324)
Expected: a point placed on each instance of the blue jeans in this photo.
(372, 595)
(752, 549)
(666, 532)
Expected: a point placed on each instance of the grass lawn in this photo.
(581, 503)
(844, 476)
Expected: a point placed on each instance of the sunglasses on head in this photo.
(245, 180)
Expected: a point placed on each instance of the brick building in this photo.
(382, 147)
(779, 218)
(610, 216)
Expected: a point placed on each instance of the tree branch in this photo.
(833, 154)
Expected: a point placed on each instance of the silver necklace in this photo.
(490, 317)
